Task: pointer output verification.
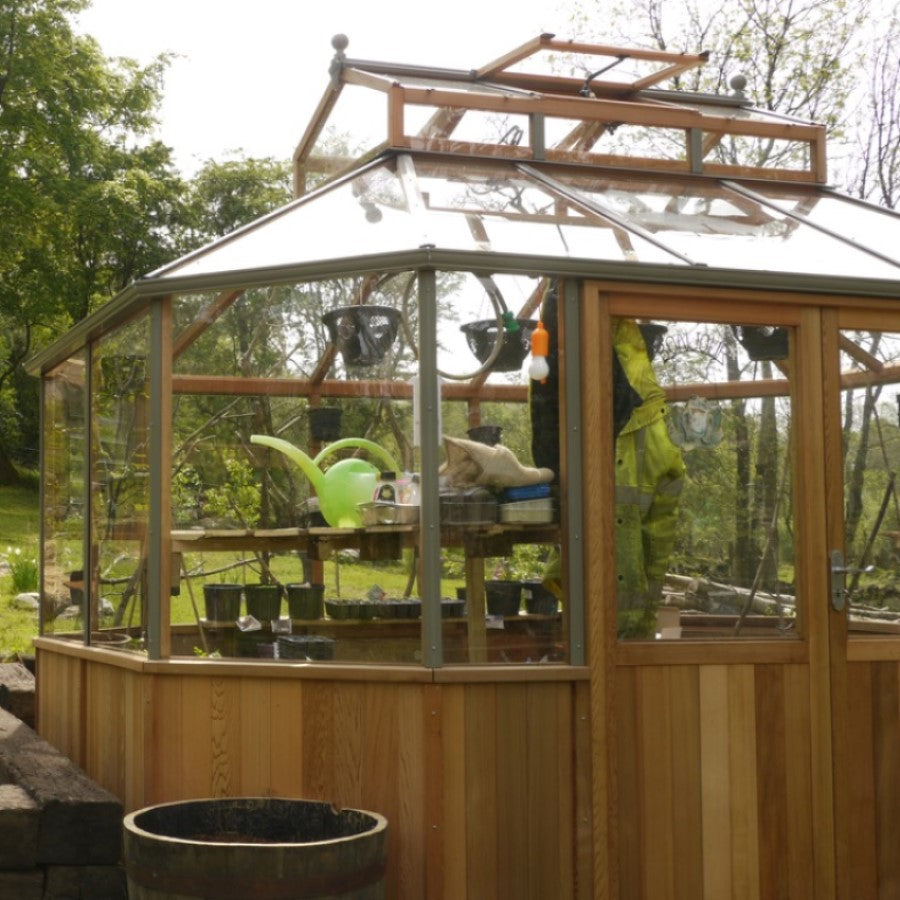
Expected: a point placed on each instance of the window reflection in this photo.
(704, 527)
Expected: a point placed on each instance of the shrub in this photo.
(23, 568)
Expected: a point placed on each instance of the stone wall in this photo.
(60, 832)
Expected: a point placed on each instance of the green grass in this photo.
(18, 531)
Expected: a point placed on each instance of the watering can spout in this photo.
(295, 454)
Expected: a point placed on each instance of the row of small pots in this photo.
(307, 601)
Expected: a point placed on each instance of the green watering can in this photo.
(344, 485)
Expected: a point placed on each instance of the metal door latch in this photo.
(838, 579)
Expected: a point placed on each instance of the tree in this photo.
(875, 169)
(798, 56)
(87, 199)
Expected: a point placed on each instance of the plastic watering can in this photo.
(344, 485)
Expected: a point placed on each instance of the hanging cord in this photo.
(505, 322)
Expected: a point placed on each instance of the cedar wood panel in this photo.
(477, 781)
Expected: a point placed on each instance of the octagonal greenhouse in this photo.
(529, 479)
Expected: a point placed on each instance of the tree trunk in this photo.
(9, 475)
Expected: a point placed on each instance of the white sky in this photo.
(249, 74)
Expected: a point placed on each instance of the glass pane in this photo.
(704, 518)
(294, 493)
(871, 227)
(711, 225)
(456, 205)
(503, 591)
(65, 452)
(356, 125)
(120, 486)
(870, 367)
(367, 214)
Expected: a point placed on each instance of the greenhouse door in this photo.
(862, 413)
(726, 715)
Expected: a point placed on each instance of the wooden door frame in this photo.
(814, 419)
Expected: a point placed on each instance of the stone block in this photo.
(19, 823)
(22, 885)
(17, 691)
(85, 883)
(80, 822)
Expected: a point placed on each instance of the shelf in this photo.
(377, 542)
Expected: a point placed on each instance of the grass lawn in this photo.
(344, 578)
(18, 531)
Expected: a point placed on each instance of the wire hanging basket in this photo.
(481, 337)
(763, 342)
(362, 334)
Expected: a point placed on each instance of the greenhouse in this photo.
(528, 479)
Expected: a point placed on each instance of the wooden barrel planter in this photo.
(240, 847)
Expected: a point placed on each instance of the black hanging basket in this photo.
(653, 335)
(362, 334)
(763, 341)
(482, 335)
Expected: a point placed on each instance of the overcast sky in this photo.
(249, 74)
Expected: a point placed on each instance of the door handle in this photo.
(839, 571)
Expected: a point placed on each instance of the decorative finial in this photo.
(737, 84)
(340, 43)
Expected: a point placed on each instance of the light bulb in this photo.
(538, 370)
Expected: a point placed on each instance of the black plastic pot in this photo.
(503, 597)
(305, 601)
(325, 423)
(485, 434)
(263, 601)
(538, 600)
(305, 646)
(223, 602)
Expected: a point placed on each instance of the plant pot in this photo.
(110, 639)
(538, 600)
(503, 597)
(362, 334)
(325, 423)
(452, 609)
(223, 602)
(338, 609)
(485, 434)
(305, 601)
(263, 601)
(305, 646)
(254, 847)
(482, 335)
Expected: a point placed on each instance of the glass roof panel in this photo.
(451, 206)
(363, 215)
(712, 225)
(869, 226)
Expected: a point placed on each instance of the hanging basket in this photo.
(763, 341)
(653, 335)
(482, 335)
(362, 334)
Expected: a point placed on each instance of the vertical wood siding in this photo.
(477, 781)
